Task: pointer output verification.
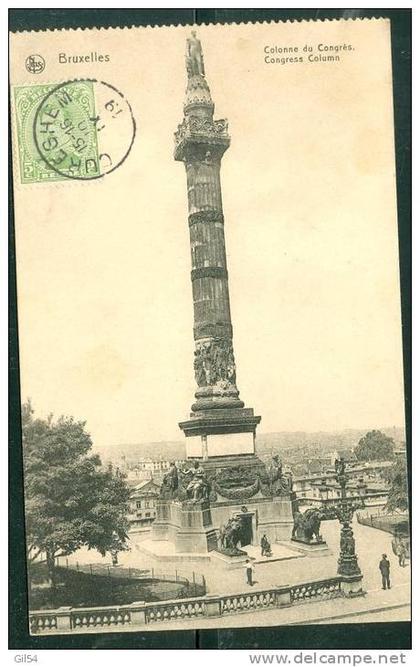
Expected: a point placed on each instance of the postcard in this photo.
(209, 326)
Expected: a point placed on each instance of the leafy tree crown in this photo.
(71, 500)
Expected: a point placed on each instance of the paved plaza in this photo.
(377, 605)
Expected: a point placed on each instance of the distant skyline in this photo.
(393, 431)
(104, 292)
(267, 433)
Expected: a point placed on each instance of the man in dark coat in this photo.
(384, 566)
(265, 546)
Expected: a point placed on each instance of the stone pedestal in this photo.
(196, 532)
(220, 432)
(188, 525)
(194, 527)
(168, 520)
(270, 516)
(230, 562)
(313, 549)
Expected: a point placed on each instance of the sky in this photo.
(104, 293)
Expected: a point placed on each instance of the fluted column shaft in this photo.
(208, 255)
(200, 143)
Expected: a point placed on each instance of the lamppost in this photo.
(323, 492)
(348, 567)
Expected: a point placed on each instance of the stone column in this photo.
(200, 143)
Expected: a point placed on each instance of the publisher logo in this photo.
(35, 64)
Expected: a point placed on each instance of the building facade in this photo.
(142, 504)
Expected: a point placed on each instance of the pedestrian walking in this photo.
(249, 572)
(402, 554)
(385, 566)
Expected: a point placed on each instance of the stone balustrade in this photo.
(324, 589)
(42, 622)
(68, 619)
(99, 618)
(232, 604)
(174, 610)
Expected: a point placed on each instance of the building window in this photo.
(147, 503)
(138, 504)
(147, 514)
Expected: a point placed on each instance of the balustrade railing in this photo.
(42, 622)
(99, 617)
(232, 604)
(67, 619)
(170, 611)
(325, 589)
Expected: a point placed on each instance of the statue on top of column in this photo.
(194, 56)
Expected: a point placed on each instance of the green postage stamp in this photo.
(78, 130)
(56, 137)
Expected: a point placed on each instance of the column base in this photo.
(352, 586)
(220, 432)
(348, 566)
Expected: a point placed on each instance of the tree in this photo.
(396, 475)
(70, 499)
(375, 446)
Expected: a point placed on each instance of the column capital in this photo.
(201, 139)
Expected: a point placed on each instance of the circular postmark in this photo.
(35, 64)
(84, 129)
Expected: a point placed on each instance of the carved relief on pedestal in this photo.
(214, 363)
